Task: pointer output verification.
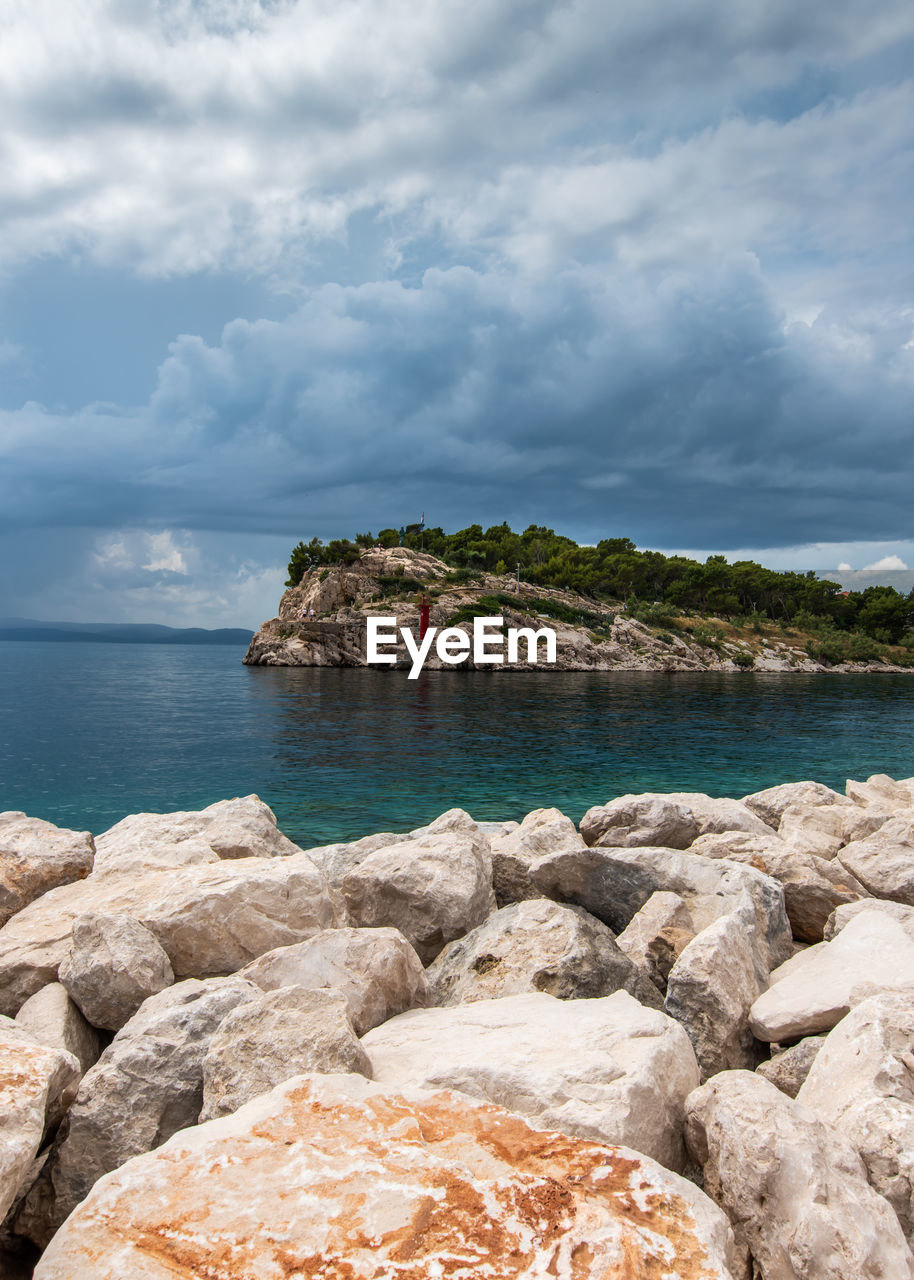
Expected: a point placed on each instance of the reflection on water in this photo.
(91, 732)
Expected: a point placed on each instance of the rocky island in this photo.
(322, 622)
(675, 1042)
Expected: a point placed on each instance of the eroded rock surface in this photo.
(845, 913)
(210, 919)
(147, 1084)
(884, 861)
(787, 1070)
(862, 1082)
(333, 1176)
(433, 889)
(516, 851)
(36, 856)
(273, 1037)
(537, 946)
(376, 971)
(113, 965)
(770, 804)
(607, 1069)
(712, 987)
(813, 886)
(812, 992)
(613, 884)
(243, 827)
(53, 1019)
(657, 935)
(793, 1187)
(34, 1081)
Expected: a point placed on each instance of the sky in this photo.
(312, 267)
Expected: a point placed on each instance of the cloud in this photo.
(621, 269)
(89, 575)
(181, 137)
(887, 562)
(674, 408)
(843, 567)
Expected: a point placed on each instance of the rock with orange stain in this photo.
(335, 1178)
(35, 1081)
(36, 856)
(607, 1069)
(146, 1085)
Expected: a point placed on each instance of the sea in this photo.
(92, 732)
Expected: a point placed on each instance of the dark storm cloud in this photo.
(641, 269)
(682, 412)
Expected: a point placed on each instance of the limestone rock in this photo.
(376, 971)
(335, 861)
(244, 827)
(210, 919)
(657, 935)
(716, 814)
(633, 821)
(334, 1176)
(35, 1081)
(273, 1037)
(862, 1082)
(613, 884)
(432, 889)
(817, 829)
(881, 790)
(794, 1189)
(712, 987)
(813, 886)
(884, 861)
(146, 1086)
(770, 804)
(113, 965)
(451, 820)
(514, 852)
(36, 856)
(825, 829)
(787, 1070)
(537, 946)
(872, 954)
(842, 915)
(606, 1069)
(53, 1019)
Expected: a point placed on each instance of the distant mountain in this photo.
(119, 632)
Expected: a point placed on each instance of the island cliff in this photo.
(322, 623)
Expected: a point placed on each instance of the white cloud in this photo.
(181, 137)
(844, 567)
(887, 562)
(163, 554)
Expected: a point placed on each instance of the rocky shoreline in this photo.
(676, 1041)
(322, 623)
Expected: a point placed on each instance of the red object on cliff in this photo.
(423, 617)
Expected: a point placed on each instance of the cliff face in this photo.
(342, 598)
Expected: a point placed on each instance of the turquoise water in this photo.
(89, 733)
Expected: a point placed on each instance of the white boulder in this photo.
(376, 971)
(793, 1187)
(605, 1069)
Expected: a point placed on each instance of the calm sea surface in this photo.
(89, 733)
